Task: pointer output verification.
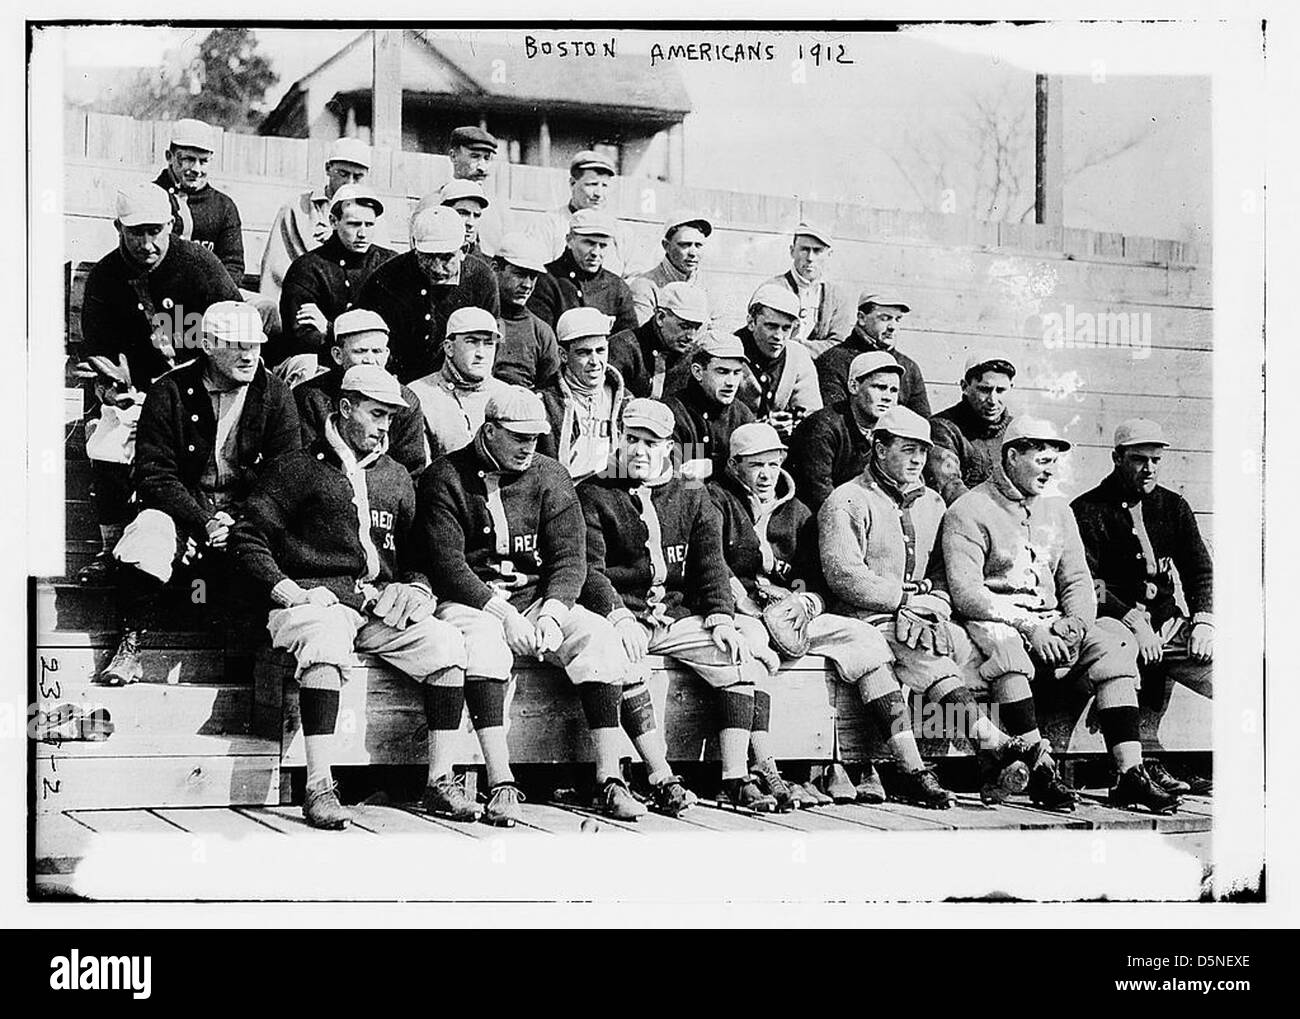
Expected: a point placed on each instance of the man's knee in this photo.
(314, 634)
(1109, 651)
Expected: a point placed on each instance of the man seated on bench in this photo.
(207, 430)
(1019, 578)
(655, 569)
(501, 535)
(586, 399)
(326, 538)
(878, 537)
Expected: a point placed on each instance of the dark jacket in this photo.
(329, 277)
(317, 399)
(542, 555)
(966, 450)
(117, 311)
(833, 372)
(1115, 556)
(177, 430)
(216, 223)
(558, 442)
(827, 449)
(301, 522)
(648, 369)
(704, 427)
(791, 537)
(528, 354)
(417, 310)
(564, 286)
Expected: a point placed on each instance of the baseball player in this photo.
(879, 315)
(472, 151)
(878, 535)
(1019, 578)
(968, 435)
(780, 382)
(503, 540)
(655, 569)
(706, 410)
(686, 235)
(653, 358)
(825, 316)
(591, 177)
(579, 277)
(326, 539)
(1137, 536)
(527, 355)
(584, 402)
(469, 201)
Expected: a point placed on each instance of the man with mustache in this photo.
(968, 435)
(584, 402)
(685, 237)
(580, 277)
(706, 411)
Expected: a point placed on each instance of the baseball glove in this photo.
(787, 624)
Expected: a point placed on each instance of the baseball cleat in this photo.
(818, 798)
(1004, 771)
(1136, 787)
(836, 784)
(671, 796)
(869, 789)
(125, 668)
(502, 808)
(322, 809)
(922, 789)
(446, 797)
(615, 800)
(770, 781)
(1046, 789)
(744, 794)
(1161, 777)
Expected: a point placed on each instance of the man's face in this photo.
(1031, 469)
(588, 251)
(236, 363)
(880, 322)
(809, 256)
(586, 358)
(470, 164)
(760, 472)
(677, 334)
(720, 378)
(364, 423)
(514, 451)
(355, 226)
(145, 245)
(986, 394)
(685, 248)
(1139, 466)
(590, 189)
(471, 212)
(643, 454)
(514, 284)
(440, 266)
(772, 330)
(361, 348)
(902, 459)
(339, 172)
(189, 166)
(472, 353)
(874, 394)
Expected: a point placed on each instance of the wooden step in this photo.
(65, 604)
(74, 668)
(213, 708)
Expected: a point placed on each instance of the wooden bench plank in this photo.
(290, 821)
(126, 822)
(224, 822)
(651, 823)
(970, 813)
(558, 820)
(395, 820)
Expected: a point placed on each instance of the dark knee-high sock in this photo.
(892, 722)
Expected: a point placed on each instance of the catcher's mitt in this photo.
(787, 625)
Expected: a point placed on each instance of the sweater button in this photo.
(194, 417)
(428, 317)
(189, 392)
(190, 448)
(424, 293)
(487, 530)
(320, 456)
(140, 306)
(482, 474)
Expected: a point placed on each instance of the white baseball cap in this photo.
(471, 320)
(578, 322)
(755, 437)
(437, 230)
(372, 381)
(192, 134)
(141, 204)
(349, 150)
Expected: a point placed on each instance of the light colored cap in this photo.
(358, 193)
(1139, 432)
(437, 230)
(523, 251)
(233, 322)
(685, 300)
(651, 415)
(588, 159)
(778, 298)
(372, 381)
(1032, 428)
(456, 189)
(883, 298)
(904, 423)
(192, 134)
(518, 410)
(359, 320)
(985, 362)
(592, 223)
(349, 150)
(688, 217)
(755, 437)
(815, 231)
(141, 204)
(578, 322)
(871, 361)
(726, 345)
(472, 320)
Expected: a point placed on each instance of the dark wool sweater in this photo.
(417, 310)
(639, 356)
(704, 426)
(177, 430)
(527, 354)
(464, 498)
(1115, 556)
(827, 449)
(620, 566)
(833, 372)
(121, 300)
(791, 535)
(966, 450)
(564, 286)
(301, 522)
(216, 223)
(317, 399)
(329, 277)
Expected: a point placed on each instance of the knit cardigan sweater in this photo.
(777, 553)
(317, 399)
(329, 277)
(785, 383)
(966, 450)
(565, 286)
(827, 449)
(216, 223)
(648, 369)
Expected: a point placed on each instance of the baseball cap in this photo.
(1032, 428)
(778, 298)
(687, 217)
(454, 190)
(472, 137)
(589, 159)
(372, 381)
(141, 204)
(1139, 432)
(883, 298)
(522, 251)
(472, 320)
(579, 322)
(980, 363)
(755, 437)
(518, 410)
(349, 150)
(592, 222)
(813, 230)
(872, 361)
(358, 193)
(727, 345)
(233, 322)
(359, 320)
(685, 300)
(904, 423)
(192, 134)
(651, 415)
(437, 230)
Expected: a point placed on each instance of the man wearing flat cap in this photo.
(304, 223)
(325, 539)
(686, 234)
(968, 435)
(591, 179)
(780, 382)
(653, 358)
(1138, 537)
(879, 316)
(586, 399)
(825, 313)
(579, 277)
(417, 291)
(527, 355)
(706, 410)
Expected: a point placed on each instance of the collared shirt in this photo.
(227, 407)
